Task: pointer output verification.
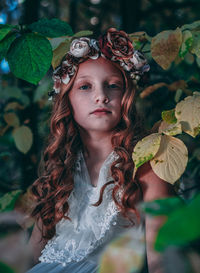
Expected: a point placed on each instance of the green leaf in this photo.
(186, 43)
(4, 30)
(25, 100)
(162, 206)
(51, 28)
(136, 45)
(8, 200)
(181, 228)
(169, 116)
(29, 57)
(23, 138)
(189, 58)
(5, 44)
(10, 92)
(5, 154)
(4, 268)
(83, 33)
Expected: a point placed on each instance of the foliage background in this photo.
(32, 108)
(19, 170)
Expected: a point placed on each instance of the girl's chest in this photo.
(93, 171)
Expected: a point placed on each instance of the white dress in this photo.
(78, 244)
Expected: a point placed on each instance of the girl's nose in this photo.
(101, 96)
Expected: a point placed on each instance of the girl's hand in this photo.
(36, 242)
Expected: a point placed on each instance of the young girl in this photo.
(86, 195)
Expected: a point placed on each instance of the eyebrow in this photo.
(88, 76)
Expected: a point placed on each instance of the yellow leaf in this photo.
(187, 113)
(55, 42)
(146, 149)
(59, 53)
(170, 129)
(83, 33)
(180, 84)
(13, 105)
(141, 36)
(12, 119)
(195, 48)
(124, 254)
(165, 47)
(171, 160)
(194, 25)
(23, 138)
(150, 89)
(169, 116)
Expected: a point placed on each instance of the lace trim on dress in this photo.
(90, 226)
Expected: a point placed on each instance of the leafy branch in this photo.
(27, 47)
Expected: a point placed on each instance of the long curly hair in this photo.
(55, 183)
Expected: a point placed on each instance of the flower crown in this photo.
(113, 45)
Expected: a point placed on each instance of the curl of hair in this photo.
(125, 137)
(55, 183)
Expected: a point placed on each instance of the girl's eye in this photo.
(84, 87)
(113, 86)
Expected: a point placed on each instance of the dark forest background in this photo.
(20, 155)
(19, 170)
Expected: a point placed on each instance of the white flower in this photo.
(65, 63)
(94, 57)
(138, 59)
(65, 79)
(127, 66)
(57, 83)
(80, 47)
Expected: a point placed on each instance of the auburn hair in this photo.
(55, 183)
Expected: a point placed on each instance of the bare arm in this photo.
(153, 188)
(36, 242)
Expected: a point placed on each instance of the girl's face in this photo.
(96, 95)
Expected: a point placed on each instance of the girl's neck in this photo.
(96, 145)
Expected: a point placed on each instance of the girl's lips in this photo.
(101, 111)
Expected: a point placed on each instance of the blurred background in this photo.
(28, 104)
